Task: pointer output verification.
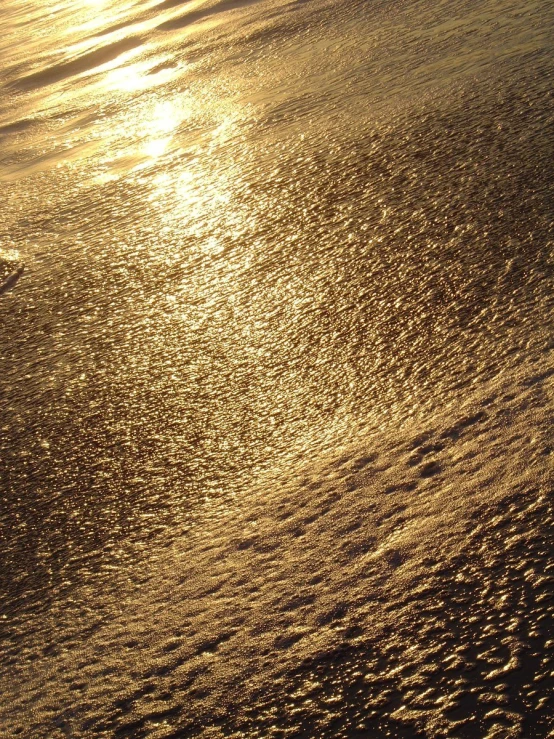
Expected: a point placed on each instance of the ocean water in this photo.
(276, 368)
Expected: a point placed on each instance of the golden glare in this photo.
(138, 76)
(156, 147)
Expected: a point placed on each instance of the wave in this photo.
(81, 64)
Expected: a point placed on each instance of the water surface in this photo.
(252, 232)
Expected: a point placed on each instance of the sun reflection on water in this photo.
(140, 75)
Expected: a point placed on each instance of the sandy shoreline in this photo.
(277, 380)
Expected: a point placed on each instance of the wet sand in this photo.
(403, 588)
(276, 379)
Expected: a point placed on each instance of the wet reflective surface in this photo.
(255, 234)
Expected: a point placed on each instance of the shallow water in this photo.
(253, 234)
